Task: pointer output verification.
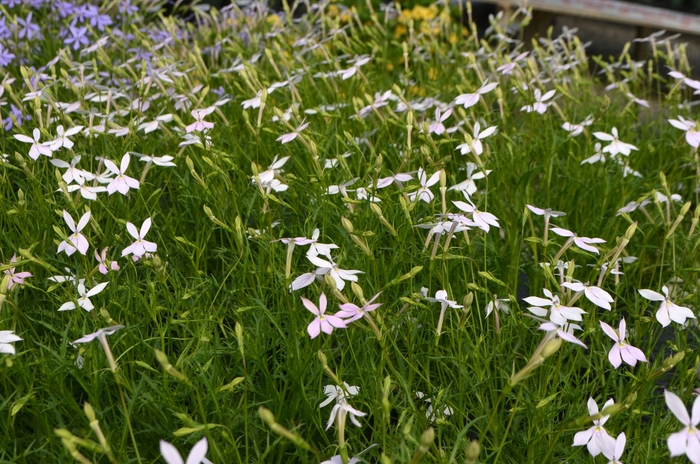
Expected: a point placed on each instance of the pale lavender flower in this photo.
(77, 37)
(27, 28)
(6, 56)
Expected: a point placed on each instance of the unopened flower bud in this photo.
(473, 451)
(551, 347)
(357, 290)
(347, 224)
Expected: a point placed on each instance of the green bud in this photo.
(551, 347)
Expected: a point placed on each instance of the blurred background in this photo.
(607, 24)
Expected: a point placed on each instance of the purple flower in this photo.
(64, 8)
(5, 32)
(78, 36)
(11, 3)
(6, 56)
(27, 28)
(19, 116)
(100, 21)
(127, 8)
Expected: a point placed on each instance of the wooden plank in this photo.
(615, 11)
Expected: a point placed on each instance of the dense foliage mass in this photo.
(331, 235)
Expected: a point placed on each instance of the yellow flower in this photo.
(400, 31)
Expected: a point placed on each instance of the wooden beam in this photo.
(615, 11)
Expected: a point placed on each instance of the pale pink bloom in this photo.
(468, 187)
(7, 337)
(105, 265)
(583, 243)
(398, 179)
(481, 219)
(541, 103)
(638, 101)
(337, 393)
(151, 126)
(253, 103)
(692, 136)
(121, 183)
(72, 174)
(567, 335)
(616, 145)
(509, 67)
(164, 161)
(86, 191)
(76, 241)
(351, 312)
(339, 275)
(424, 193)
(200, 125)
(621, 350)
(62, 140)
(286, 138)
(337, 459)
(140, 247)
(340, 410)
(577, 129)
(437, 127)
(16, 278)
(471, 99)
(595, 295)
(37, 148)
(323, 322)
(99, 334)
(84, 298)
(441, 297)
(614, 454)
(558, 313)
(596, 438)
(196, 456)
(687, 441)
(476, 144)
(668, 311)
